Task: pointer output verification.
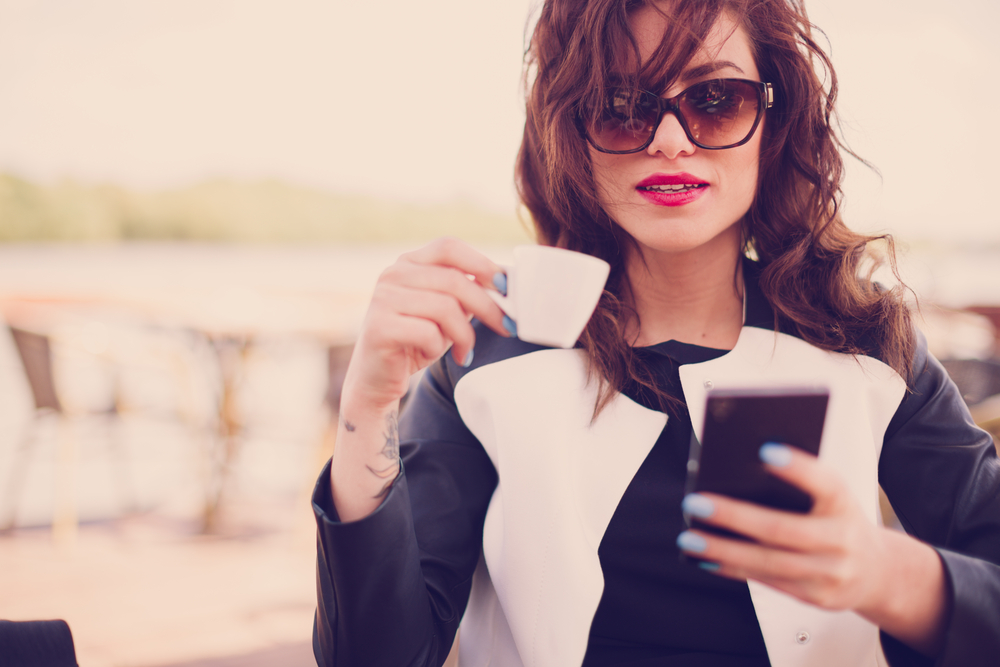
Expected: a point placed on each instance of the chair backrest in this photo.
(977, 379)
(36, 356)
(337, 356)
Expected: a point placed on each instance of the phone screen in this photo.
(737, 423)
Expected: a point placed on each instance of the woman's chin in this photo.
(689, 238)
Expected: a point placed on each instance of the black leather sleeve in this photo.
(942, 476)
(393, 587)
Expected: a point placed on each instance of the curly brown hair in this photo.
(811, 262)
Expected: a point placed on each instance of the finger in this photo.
(452, 282)
(454, 253)
(821, 580)
(390, 349)
(410, 335)
(739, 559)
(803, 470)
(779, 528)
(442, 309)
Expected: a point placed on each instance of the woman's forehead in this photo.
(726, 48)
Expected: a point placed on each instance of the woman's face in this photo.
(704, 217)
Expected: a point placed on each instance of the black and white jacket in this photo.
(509, 487)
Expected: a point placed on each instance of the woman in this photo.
(543, 489)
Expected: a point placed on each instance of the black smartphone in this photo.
(737, 423)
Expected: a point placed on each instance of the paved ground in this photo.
(292, 655)
(149, 590)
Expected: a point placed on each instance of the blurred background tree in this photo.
(231, 210)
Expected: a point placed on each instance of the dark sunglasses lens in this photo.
(625, 122)
(720, 112)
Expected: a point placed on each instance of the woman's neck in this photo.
(693, 297)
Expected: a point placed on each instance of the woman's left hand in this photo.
(833, 557)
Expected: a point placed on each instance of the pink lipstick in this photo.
(672, 189)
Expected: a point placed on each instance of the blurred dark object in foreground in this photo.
(36, 644)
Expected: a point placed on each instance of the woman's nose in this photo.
(670, 139)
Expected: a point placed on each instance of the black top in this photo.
(657, 610)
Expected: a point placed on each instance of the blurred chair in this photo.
(991, 313)
(337, 358)
(35, 351)
(231, 352)
(978, 380)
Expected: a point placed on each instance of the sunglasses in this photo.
(715, 114)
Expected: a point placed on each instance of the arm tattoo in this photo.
(384, 491)
(389, 451)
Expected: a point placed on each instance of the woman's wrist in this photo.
(365, 458)
(911, 602)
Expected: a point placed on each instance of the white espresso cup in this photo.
(551, 293)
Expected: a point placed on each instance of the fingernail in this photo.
(500, 282)
(468, 359)
(708, 566)
(775, 454)
(698, 505)
(688, 541)
(510, 326)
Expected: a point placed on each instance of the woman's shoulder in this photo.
(841, 333)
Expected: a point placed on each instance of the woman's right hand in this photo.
(422, 305)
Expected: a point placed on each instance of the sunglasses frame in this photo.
(665, 105)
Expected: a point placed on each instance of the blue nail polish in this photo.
(698, 505)
(689, 541)
(500, 282)
(775, 454)
(708, 566)
(468, 359)
(510, 326)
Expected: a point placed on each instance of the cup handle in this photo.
(505, 302)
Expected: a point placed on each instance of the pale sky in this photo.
(420, 101)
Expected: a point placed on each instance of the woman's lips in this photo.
(672, 189)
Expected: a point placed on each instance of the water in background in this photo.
(150, 326)
(156, 329)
